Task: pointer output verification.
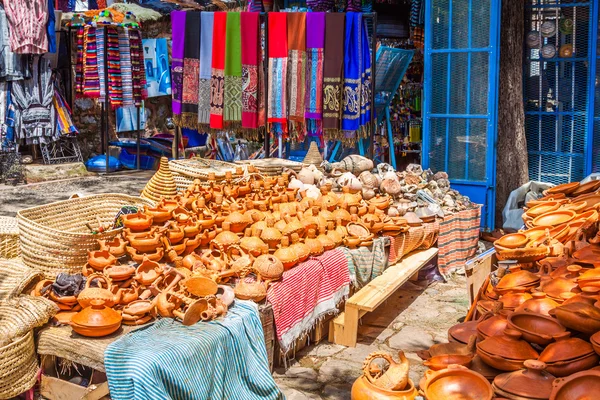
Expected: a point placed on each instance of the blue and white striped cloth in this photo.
(224, 359)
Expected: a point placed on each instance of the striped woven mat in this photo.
(222, 359)
(457, 242)
(417, 237)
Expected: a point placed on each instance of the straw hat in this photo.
(161, 184)
(313, 156)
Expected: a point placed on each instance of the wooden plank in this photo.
(478, 270)
(380, 288)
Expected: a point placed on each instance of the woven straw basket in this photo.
(9, 237)
(15, 277)
(186, 171)
(161, 184)
(18, 366)
(21, 314)
(273, 166)
(313, 156)
(54, 237)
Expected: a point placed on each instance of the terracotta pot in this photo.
(362, 389)
(326, 241)
(96, 320)
(585, 188)
(533, 382)
(255, 291)
(580, 386)
(581, 317)
(137, 222)
(456, 382)
(269, 266)
(254, 245)
(589, 295)
(315, 245)
(512, 240)
(159, 214)
(146, 244)
(119, 273)
(396, 375)
(115, 247)
(588, 255)
(568, 355)
(100, 259)
(535, 328)
(540, 304)
(543, 208)
(190, 260)
(175, 233)
(237, 221)
(516, 279)
(507, 352)
(302, 250)
(286, 255)
(511, 301)
(493, 325)
(215, 258)
(225, 239)
(462, 332)
(139, 257)
(442, 362)
(226, 294)
(103, 294)
(139, 308)
(148, 271)
(554, 287)
(238, 259)
(128, 294)
(191, 228)
(166, 303)
(565, 188)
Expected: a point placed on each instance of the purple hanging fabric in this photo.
(177, 51)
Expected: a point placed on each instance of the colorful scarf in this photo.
(79, 61)
(217, 79)
(232, 102)
(352, 61)
(178, 35)
(296, 36)
(332, 73)
(250, 82)
(100, 47)
(126, 73)
(91, 81)
(277, 112)
(315, 41)
(365, 81)
(206, 41)
(138, 72)
(191, 70)
(113, 58)
(64, 122)
(262, 109)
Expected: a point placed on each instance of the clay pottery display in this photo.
(532, 383)
(557, 286)
(255, 291)
(506, 352)
(175, 233)
(139, 257)
(102, 293)
(200, 286)
(511, 301)
(581, 317)
(237, 221)
(181, 215)
(342, 216)
(269, 267)
(326, 241)
(359, 230)
(442, 362)
(362, 389)
(554, 218)
(206, 237)
(137, 222)
(225, 239)
(139, 312)
(286, 254)
(535, 328)
(516, 279)
(568, 355)
(146, 244)
(542, 209)
(585, 188)
(191, 228)
(148, 271)
(190, 260)
(254, 246)
(588, 255)
(116, 246)
(100, 259)
(271, 235)
(456, 382)
(512, 240)
(565, 188)
(580, 386)
(96, 320)
(315, 245)
(166, 303)
(589, 278)
(540, 304)
(119, 273)
(159, 214)
(462, 332)
(493, 325)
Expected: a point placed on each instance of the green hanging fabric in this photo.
(232, 111)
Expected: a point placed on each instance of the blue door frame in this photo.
(459, 135)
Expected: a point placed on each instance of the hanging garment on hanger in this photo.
(217, 80)
(296, 36)
(27, 23)
(277, 110)
(191, 70)
(332, 74)
(206, 41)
(315, 41)
(12, 66)
(178, 41)
(232, 102)
(126, 72)
(250, 57)
(138, 71)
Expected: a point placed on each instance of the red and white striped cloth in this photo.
(306, 293)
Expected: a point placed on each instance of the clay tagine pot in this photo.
(535, 328)
(511, 301)
(568, 355)
(540, 304)
(96, 320)
(582, 317)
(456, 382)
(507, 352)
(493, 325)
(518, 279)
(530, 383)
(580, 386)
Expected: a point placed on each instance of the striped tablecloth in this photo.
(367, 263)
(457, 242)
(307, 293)
(223, 359)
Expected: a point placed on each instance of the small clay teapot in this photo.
(116, 246)
(148, 271)
(269, 266)
(97, 293)
(255, 291)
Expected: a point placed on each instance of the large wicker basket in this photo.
(18, 366)
(186, 171)
(9, 237)
(273, 166)
(54, 237)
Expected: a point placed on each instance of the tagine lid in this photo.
(565, 348)
(97, 315)
(588, 254)
(519, 278)
(508, 346)
(531, 383)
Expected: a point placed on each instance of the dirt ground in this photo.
(413, 319)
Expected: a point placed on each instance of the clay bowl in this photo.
(565, 188)
(535, 328)
(511, 301)
(438, 363)
(545, 199)
(516, 279)
(589, 216)
(577, 206)
(590, 200)
(580, 386)
(524, 255)
(588, 255)
(462, 332)
(554, 218)
(595, 341)
(543, 208)
(586, 188)
(457, 382)
(536, 232)
(493, 326)
(582, 317)
(512, 240)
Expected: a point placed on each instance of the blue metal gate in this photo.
(558, 81)
(461, 96)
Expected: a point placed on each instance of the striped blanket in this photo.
(367, 263)
(459, 234)
(308, 293)
(224, 359)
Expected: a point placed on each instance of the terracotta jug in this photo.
(148, 271)
(301, 249)
(269, 266)
(314, 244)
(286, 254)
(255, 291)
(271, 235)
(102, 293)
(254, 245)
(365, 388)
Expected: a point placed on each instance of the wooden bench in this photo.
(344, 328)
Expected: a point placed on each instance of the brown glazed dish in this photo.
(456, 382)
(535, 328)
(568, 355)
(581, 317)
(507, 352)
(583, 385)
(530, 383)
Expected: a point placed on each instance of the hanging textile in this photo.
(365, 81)
(178, 35)
(100, 47)
(206, 39)
(79, 61)
(315, 41)
(12, 66)
(332, 74)
(27, 24)
(250, 81)
(91, 80)
(113, 60)
(217, 80)
(296, 36)
(262, 55)
(277, 112)
(64, 122)
(191, 70)
(232, 103)
(126, 73)
(51, 27)
(320, 5)
(351, 89)
(138, 72)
